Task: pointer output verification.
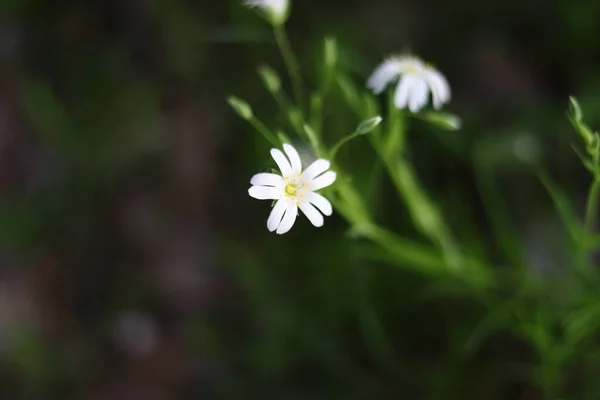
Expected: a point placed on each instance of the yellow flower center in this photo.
(290, 189)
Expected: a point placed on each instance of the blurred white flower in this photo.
(293, 189)
(276, 11)
(416, 80)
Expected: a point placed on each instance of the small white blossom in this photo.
(275, 10)
(293, 189)
(416, 80)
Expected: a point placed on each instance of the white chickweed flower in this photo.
(276, 11)
(416, 80)
(293, 189)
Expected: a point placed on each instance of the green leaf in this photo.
(587, 163)
(575, 109)
(444, 120)
(576, 118)
(582, 324)
(501, 316)
(563, 205)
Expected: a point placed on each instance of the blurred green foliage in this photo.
(92, 87)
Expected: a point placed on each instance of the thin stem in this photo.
(591, 209)
(287, 108)
(497, 211)
(340, 143)
(263, 130)
(291, 63)
(396, 131)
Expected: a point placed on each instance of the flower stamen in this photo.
(290, 190)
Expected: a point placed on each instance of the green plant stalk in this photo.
(318, 98)
(348, 202)
(591, 209)
(350, 206)
(340, 143)
(316, 113)
(286, 107)
(396, 132)
(424, 214)
(263, 130)
(496, 211)
(550, 373)
(291, 63)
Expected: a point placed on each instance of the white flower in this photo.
(293, 189)
(416, 80)
(275, 10)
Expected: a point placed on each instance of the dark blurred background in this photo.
(133, 264)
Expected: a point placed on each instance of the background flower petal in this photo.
(383, 75)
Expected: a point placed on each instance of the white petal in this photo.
(316, 168)
(276, 214)
(403, 90)
(265, 192)
(323, 181)
(291, 212)
(265, 179)
(282, 162)
(440, 88)
(294, 158)
(418, 95)
(383, 75)
(278, 6)
(320, 202)
(312, 214)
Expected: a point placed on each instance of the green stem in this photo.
(497, 211)
(396, 132)
(263, 130)
(285, 106)
(591, 209)
(425, 215)
(340, 143)
(291, 63)
(350, 205)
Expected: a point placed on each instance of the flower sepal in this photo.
(446, 121)
(276, 12)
